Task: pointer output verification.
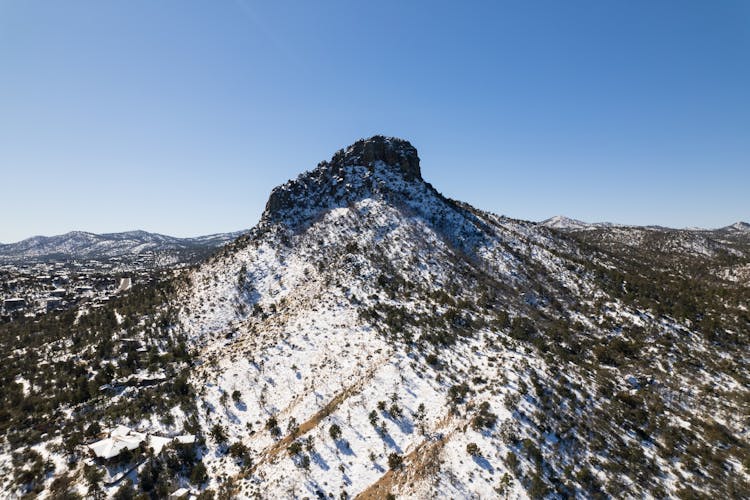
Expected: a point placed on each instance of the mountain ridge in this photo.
(84, 244)
(568, 223)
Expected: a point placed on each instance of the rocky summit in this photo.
(391, 151)
(369, 167)
(371, 338)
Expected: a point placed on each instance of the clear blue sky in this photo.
(181, 116)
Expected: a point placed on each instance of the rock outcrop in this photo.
(370, 167)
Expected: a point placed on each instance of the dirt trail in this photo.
(311, 423)
(423, 461)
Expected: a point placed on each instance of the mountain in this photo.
(371, 337)
(707, 254)
(566, 223)
(83, 245)
(741, 227)
(737, 232)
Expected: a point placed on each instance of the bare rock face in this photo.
(370, 167)
(393, 152)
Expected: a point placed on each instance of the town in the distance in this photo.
(57, 273)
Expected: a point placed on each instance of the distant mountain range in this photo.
(85, 245)
(567, 223)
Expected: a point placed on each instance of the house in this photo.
(120, 439)
(14, 304)
(180, 493)
(53, 303)
(123, 438)
(125, 285)
(157, 443)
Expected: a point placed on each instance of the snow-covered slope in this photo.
(366, 300)
(370, 337)
(284, 321)
(702, 248)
